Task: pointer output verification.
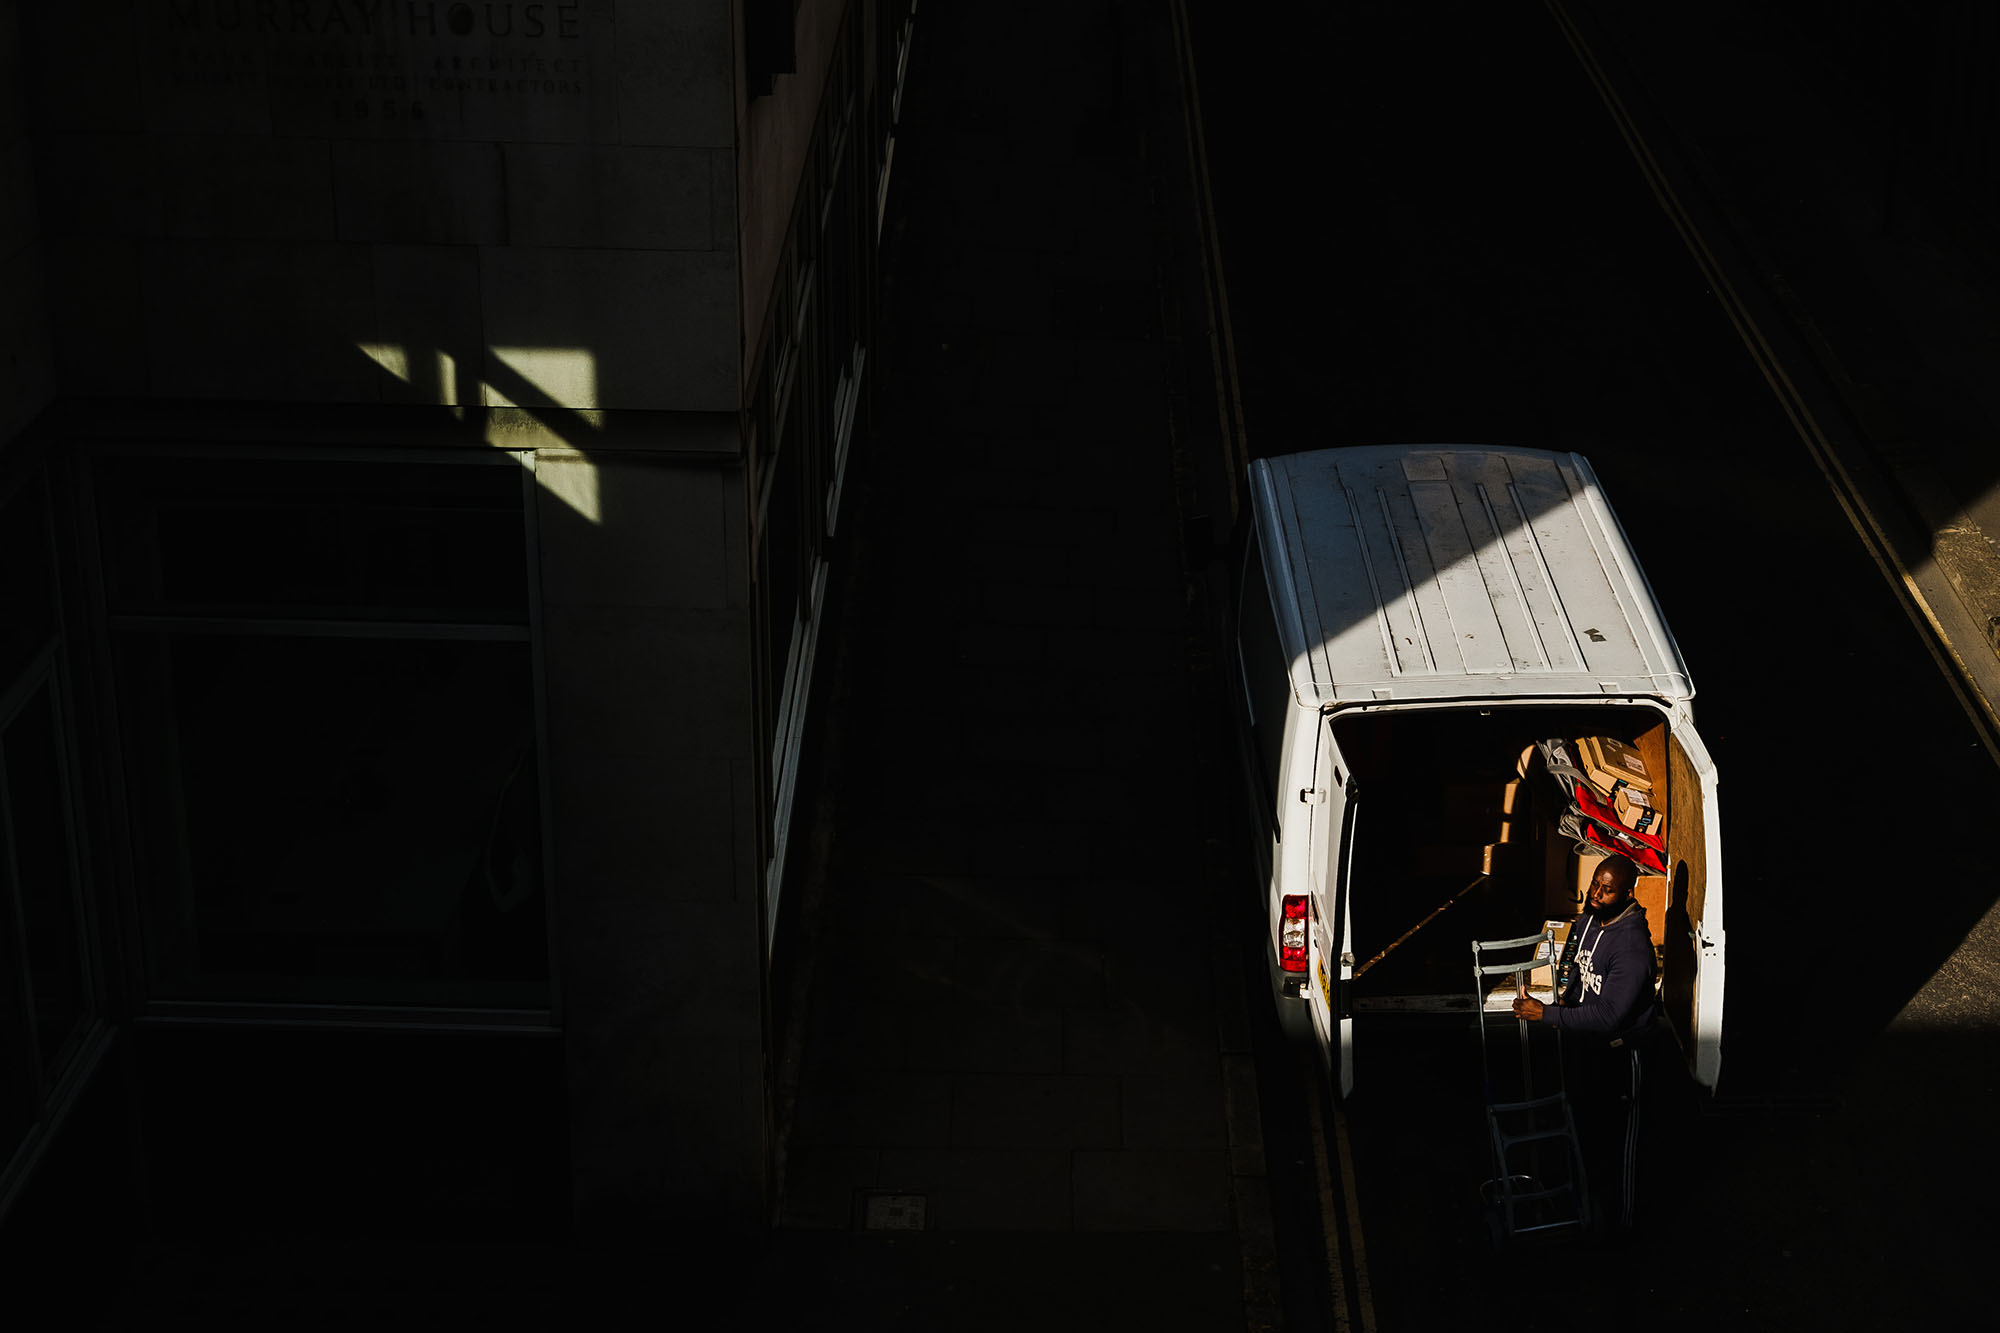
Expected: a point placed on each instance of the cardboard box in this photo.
(1544, 977)
(1582, 869)
(1636, 811)
(1607, 763)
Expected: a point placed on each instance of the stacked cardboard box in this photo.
(1611, 764)
(1636, 810)
(1618, 775)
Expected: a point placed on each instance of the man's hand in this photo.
(1528, 1009)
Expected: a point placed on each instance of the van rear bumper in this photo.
(1289, 999)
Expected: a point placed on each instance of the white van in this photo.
(1410, 622)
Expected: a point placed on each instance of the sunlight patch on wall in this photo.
(572, 479)
(408, 367)
(541, 377)
(392, 357)
(531, 379)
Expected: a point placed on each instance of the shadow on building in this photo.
(418, 506)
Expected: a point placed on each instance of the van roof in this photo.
(1456, 571)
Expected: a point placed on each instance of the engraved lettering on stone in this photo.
(377, 66)
(492, 18)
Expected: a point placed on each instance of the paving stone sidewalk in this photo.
(1019, 1018)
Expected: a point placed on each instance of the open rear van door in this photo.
(1694, 930)
(1332, 962)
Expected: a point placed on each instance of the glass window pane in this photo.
(401, 541)
(44, 875)
(27, 601)
(337, 819)
(780, 568)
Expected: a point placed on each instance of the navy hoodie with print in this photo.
(1614, 964)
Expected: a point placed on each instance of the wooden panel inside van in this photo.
(1687, 837)
(1687, 881)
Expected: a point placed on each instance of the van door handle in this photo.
(1312, 796)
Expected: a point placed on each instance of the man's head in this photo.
(1611, 887)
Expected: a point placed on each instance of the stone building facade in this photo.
(421, 436)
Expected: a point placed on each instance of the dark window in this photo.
(782, 352)
(843, 305)
(779, 566)
(893, 32)
(803, 230)
(45, 1000)
(240, 537)
(355, 811)
(326, 696)
(39, 874)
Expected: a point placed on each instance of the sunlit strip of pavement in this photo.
(1954, 636)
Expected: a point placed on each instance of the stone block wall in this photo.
(655, 816)
(465, 202)
(527, 210)
(774, 132)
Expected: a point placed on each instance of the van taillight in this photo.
(1292, 938)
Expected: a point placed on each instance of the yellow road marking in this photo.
(1364, 1294)
(1336, 1285)
(1347, 1221)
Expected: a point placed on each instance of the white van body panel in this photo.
(1449, 577)
(1455, 572)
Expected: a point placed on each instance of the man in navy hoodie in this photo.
(1614, 958)
(1612, 1006)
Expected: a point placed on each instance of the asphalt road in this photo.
(1432, 233)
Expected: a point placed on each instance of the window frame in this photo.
(150, 1009)
(41, 674)
(55, 1087)
(805, 397)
